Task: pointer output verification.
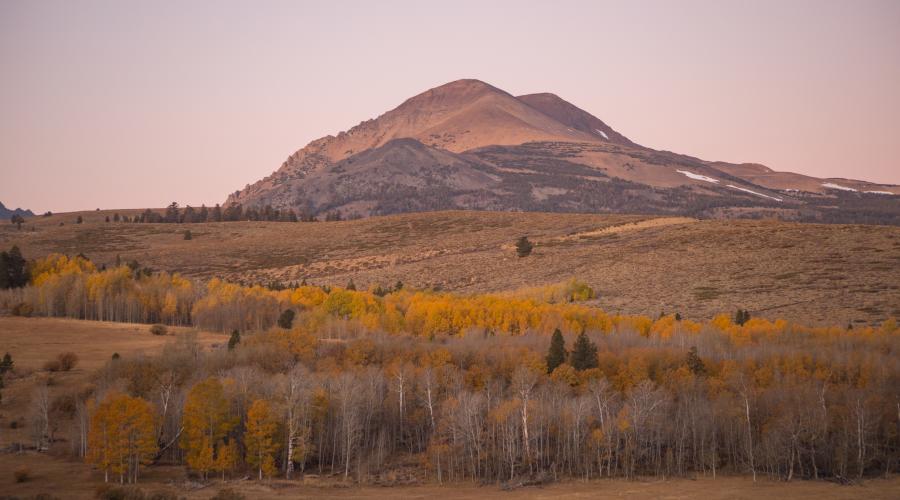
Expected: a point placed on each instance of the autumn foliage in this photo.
(122, 436)
(477, 387)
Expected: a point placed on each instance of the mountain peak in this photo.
(572, 116)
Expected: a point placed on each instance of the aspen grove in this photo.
(375, 384)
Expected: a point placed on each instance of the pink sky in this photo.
(120, 104)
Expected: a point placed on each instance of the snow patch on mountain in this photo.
(753, 192)
(698, 177)
(831, 185)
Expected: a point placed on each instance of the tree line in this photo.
(231, 213)
(526, 386)
(283, 402)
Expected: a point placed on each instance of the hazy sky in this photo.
(133, 104)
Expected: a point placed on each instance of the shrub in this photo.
(63, 362)
(159, 329)
(523, 247)
(22, 309)
(188, 235)
(67, 361)
(22, 474)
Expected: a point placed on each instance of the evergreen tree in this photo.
(13, 269)
(556, 355)
(7, 364)
(233, 213)
(234, 340)
(189, 215)
(584, 353)
(172, 212)
(741, 316)
(286, 320)
(523, 247)
(695, 363)
(216, 215)
(4, 270)
(188, 235)
(351, 285)
(79, 220)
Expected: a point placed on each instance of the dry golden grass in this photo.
(34, 341)
(818, 274)
(75, 480)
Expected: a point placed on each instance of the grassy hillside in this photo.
(638, 264)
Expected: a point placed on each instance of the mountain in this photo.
(470, 145)
(6, 213)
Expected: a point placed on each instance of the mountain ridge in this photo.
(6, 213)
(527, 150)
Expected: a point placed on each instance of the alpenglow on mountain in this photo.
(469, 145)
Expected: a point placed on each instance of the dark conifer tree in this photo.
(13, 269)
(584, 353)
(523, 247)
(286, 320)
(741, 316)
(189, 215)
(234, 340)
(6, 364)
(172, 212)
(556, 355)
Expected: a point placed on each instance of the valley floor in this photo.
(72, 479)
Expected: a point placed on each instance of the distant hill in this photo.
(6, 213)
(470, 145)
(813, 273)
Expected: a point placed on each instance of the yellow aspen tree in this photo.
(206, 421)
(259, 438)
(226, 458)
(122, 436)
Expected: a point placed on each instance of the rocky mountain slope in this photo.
(469, 145)
(6, 213)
